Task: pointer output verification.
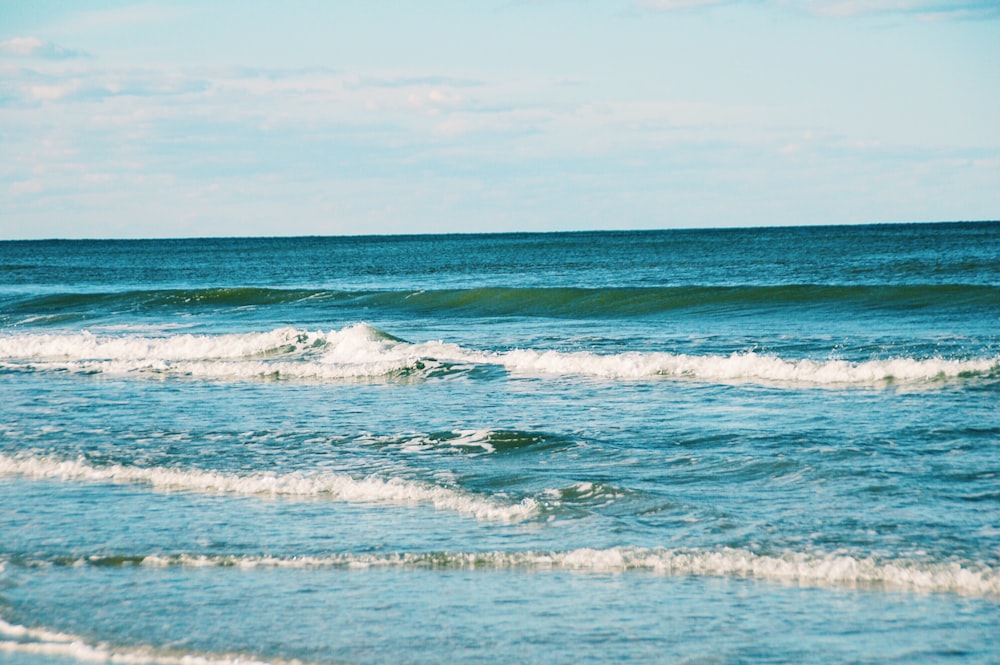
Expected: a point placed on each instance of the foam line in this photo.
(830, 570)
(748, 367)
(334, 487)
(39, 641)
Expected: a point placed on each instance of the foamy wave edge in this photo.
(748, 367)
(834, 570)
(39, 641)
(333, 487)
(361, 351)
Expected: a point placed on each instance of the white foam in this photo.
(361, 351)
(355, 351)
(39, 641)
(472, 438)
(477, 440)
(837, 570)
(336, 487)
(84, 345)
(743, 367)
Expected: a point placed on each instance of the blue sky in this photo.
(160, 119)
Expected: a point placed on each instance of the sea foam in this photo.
(798, 568)
(744, 367)
(15, 638)
(361, 351)
(353, 352)
(335, 487)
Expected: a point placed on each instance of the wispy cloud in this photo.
(31, 87)
(410, 81)
(669, 5)
(33, 47)
(920, 9)
(127, 16)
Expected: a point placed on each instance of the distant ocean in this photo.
(770, 445)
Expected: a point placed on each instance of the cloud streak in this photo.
(30, 87)
(33, 47)
(672, 5)
(920, 9)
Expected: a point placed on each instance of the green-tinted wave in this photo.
(555, 302)
(624, 302)
(166, 298)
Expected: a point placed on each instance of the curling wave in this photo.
(335, 487)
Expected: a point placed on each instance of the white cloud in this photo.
(33, 47)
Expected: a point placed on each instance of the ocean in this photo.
(775, 445)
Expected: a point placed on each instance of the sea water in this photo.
(727, 446)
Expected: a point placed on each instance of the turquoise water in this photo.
(733, 446)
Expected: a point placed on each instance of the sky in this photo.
(235, 118)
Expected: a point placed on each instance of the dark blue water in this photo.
(766, 445)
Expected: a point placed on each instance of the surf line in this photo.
(799, 568)
(336, 487)
(15, 638)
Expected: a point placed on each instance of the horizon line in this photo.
(499, 233)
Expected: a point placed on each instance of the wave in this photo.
(805, 569)
(161, 298)
(363, 352)
(334, 487)
(618, 302)
(555, 302)
(749, 367)
(15, 638)
(354, 352)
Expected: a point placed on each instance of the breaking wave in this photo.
(363, 352)
(747, 366)
(334, 487)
